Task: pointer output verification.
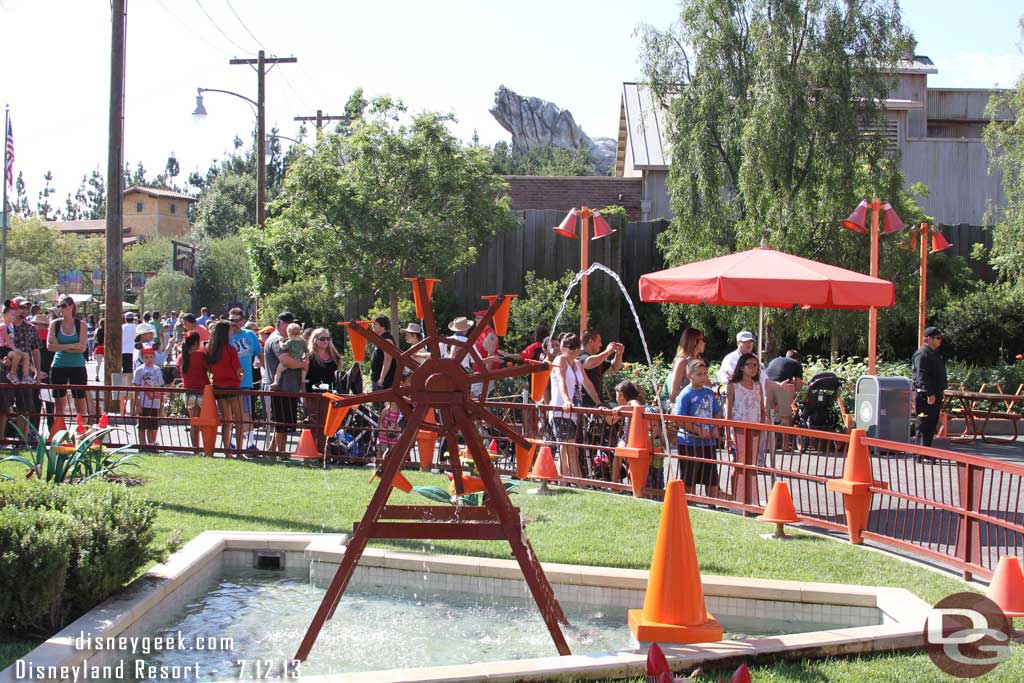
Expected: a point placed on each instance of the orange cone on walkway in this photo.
(538, 383)
(524, 458)
(59, 425)
(335, 416)
(637, 451)
(357, 341)
(421, 305)
(780, 510)
(399, 481)
(674, 610)
(207, 421)
(1007, 587)
(307, 447)
(500, 318)
(427, 442)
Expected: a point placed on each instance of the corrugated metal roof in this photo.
(646, 122)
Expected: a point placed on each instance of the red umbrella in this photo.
(765, 277)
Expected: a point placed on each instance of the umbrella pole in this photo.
(760, 333)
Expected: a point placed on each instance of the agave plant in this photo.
(64, 460)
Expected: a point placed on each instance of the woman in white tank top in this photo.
(568, 382)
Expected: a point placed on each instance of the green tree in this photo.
(549, 161)
(32, 241)
(396, 197)
(43, 206)
(312, 302)
(169, 291)
(538, 306)
(223, 276)
(227, 205)
(1005, 139)
(767, 104)
(150, 256)
(22, 277)
(20, 205)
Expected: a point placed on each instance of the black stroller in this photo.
(819, 409)
(357, 436)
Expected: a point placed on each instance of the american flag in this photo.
(8, 171)
(9, 166)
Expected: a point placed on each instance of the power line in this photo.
(292, 88)
(218, 48)
(219, 29)
(228, 3)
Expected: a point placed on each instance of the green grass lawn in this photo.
(574, 527)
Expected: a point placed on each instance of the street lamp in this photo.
(567, 228)
(261, 146)
(938, 243)
(891, 223)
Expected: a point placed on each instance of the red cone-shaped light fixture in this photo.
(891, 222)
(601, 227)
(856, 221)
(939, 242)
(567, 228)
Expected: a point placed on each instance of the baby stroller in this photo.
(819, 409)
(355, 439)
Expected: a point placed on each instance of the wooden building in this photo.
(937, 131)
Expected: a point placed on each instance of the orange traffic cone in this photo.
(420, 305)
(335, 416)
(524, 458)
(207, 421)
(674, 609)
(307, 447)
(779, 510)
(59, 425)
(357, 341)
(539, 382)
(399, 481)
(637, 451)
(544, 469)
(427, 442)
(1007, 587)
(500, 318)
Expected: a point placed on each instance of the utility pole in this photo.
(115, 201)
(261, 63)
(319, 120)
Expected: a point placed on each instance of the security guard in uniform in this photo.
(929, 384)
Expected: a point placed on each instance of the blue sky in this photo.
(448, 55)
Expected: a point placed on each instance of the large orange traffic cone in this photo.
(421, 305)
(427, 442)
(500, 318)
(307, 447)
(524, 458)
(780, 510)
(357, 341)
(399, 481)
(674, 609)
(539, 382)
(1007, 587)
(59, 425)
(335, 416)
(207, 421)
(637, 451)
(544, 470)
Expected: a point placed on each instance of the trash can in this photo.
(884, 407)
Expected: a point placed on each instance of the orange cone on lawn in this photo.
(207, 421)
(399, 481)
(524, 458)
(500, 318)
(780, 510)
(307, 447)
(59, 425)
(357, 341)
(637, 451)
(1007, 587)
(427, 442)
(544, 468)
(417, 300)
(674, 610)
(539, 382)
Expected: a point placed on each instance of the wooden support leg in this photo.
(392, 464)
(497, 500)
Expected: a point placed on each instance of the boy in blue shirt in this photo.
(698, 440)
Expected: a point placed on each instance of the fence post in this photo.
(855, 485)
(968, 530)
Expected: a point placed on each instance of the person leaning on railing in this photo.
(226, 373)
(194, 378)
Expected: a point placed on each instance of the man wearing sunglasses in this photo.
(248, 346)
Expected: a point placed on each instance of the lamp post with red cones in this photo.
(938, 243)
(567, 228)
(891, 223)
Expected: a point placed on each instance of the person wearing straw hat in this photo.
(459, 327)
